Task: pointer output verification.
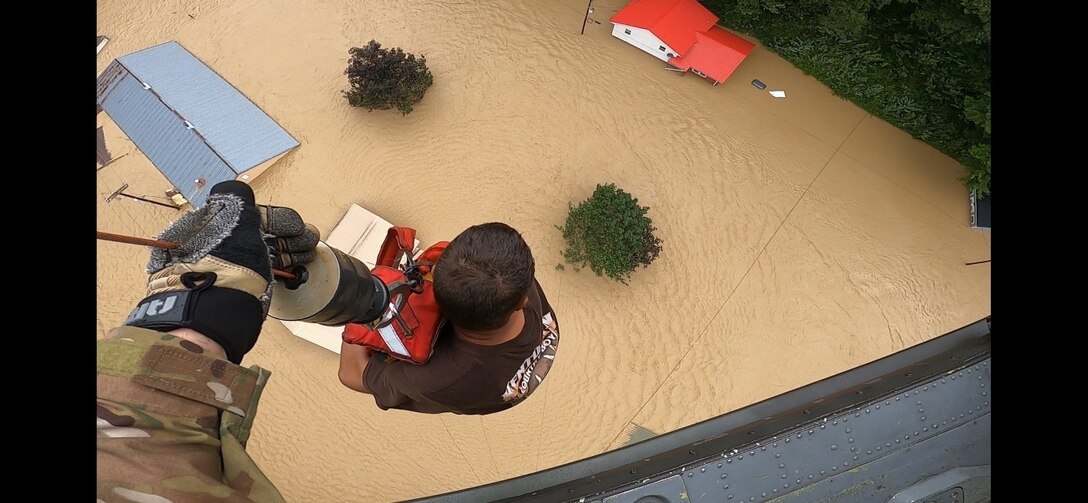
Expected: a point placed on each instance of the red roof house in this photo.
(683, 34)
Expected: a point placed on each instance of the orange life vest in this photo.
(408, 329)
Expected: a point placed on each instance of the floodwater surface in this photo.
(802, 236)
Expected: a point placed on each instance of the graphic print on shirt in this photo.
(535, 367)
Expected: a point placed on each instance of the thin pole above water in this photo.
(589, 5)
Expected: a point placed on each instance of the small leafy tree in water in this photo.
(386, 78)
(611, 233)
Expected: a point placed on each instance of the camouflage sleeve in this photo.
(173, 422)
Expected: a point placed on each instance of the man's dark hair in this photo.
(483, 275)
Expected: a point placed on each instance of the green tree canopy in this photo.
(386, 78)
(611, 233)
(921, 65)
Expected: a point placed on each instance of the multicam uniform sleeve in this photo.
(173, 422)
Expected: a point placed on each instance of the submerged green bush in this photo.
(610, 233)
(386, 78)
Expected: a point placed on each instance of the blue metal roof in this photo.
(186, 119)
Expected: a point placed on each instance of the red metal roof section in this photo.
(675, 22)
(716, 54)
(730, 40)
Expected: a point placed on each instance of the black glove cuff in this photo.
(232, 318)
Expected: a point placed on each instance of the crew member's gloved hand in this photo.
(219, 281)
(292, 240)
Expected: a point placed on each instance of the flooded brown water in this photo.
(803, 237)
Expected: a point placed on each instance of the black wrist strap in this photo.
(232, 318)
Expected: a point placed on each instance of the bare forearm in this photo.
(211, 348)
(353, 362)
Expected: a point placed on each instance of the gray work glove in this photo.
(292, 240)
(219, 281)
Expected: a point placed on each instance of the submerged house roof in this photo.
(717, 53)
(688, 28)
(190, 122)
(675, 22)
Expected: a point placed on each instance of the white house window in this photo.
(661, 47)
(627, 31)
(670, 54)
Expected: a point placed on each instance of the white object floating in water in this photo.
(778, 94)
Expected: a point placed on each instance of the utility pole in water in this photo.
(589, 9)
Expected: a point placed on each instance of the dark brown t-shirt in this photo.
(466, 378)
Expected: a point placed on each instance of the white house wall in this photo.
(643, 39)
